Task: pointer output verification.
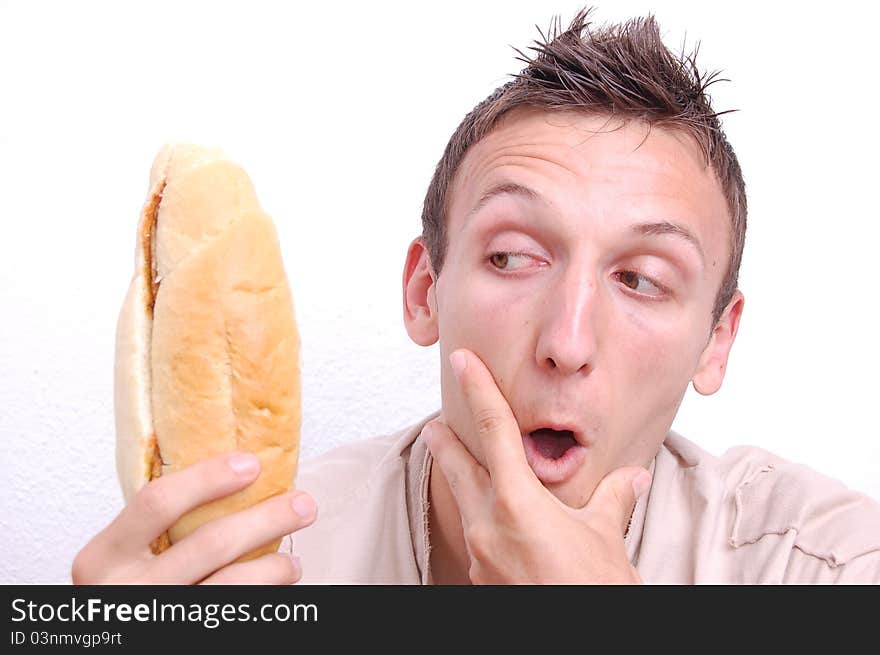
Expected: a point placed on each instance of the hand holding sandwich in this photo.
(207, 388)
(121, 553)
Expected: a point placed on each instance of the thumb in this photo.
(617, 493)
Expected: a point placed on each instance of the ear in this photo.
(713, 362)
(419, 295)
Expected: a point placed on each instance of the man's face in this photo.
(584, 257)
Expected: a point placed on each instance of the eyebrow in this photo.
(665, 227)
(656, 228)
(505, 188)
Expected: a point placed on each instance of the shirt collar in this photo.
(418, 478)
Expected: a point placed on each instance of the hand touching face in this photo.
(515, 530)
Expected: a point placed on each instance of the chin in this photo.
(565, 469)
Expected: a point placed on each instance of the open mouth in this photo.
(552, 444)
(554, 455)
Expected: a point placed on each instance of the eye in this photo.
(506, 261)
(639, 283)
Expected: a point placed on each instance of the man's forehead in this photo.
(585, 134)
(581, 142)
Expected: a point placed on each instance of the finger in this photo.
(468, 481)
(615, 497)
(494, 422)
(219, 542)
(159, 505)
(274, 568)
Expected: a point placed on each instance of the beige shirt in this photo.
(743, 518)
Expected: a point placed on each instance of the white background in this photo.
(340, 114)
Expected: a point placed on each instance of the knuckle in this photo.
(487, 421)
(214, 543)
(155, 500)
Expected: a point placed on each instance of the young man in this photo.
(578, 265)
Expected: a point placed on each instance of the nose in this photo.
(568, 337)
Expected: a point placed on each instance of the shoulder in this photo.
(345, 472)
(824, 524)
(362, 534)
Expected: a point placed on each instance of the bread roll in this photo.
(207, 346)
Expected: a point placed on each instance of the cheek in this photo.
(493, 323)
(655, 360)
(483, 314)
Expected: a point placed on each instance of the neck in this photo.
(449, 558)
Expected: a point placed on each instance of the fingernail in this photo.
(297, 565)
(427, 431)
(458, 361)
(244, 463)
(304, 505)
(641, 483)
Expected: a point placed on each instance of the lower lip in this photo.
(553, 471)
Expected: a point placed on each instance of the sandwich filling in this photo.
(148, 244)
(152, 281)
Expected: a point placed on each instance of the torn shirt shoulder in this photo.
(823, 518)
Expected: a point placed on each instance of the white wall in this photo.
(339, 115)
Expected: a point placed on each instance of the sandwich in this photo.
(207, 345)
